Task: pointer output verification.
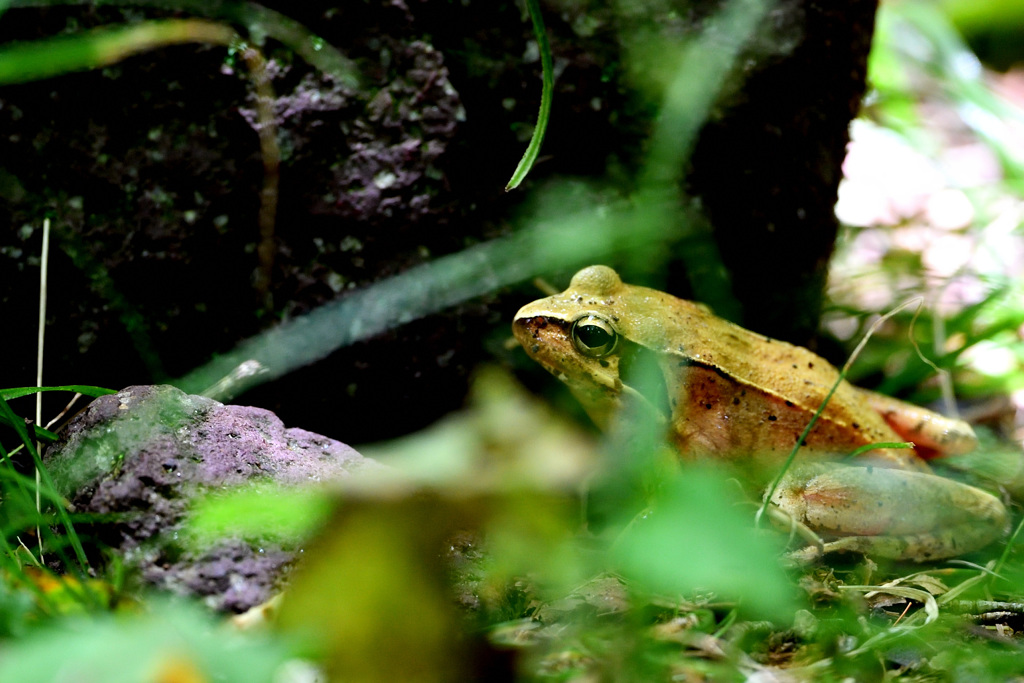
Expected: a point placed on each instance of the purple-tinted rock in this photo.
(144, 453)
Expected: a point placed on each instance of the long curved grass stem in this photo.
(547, 90)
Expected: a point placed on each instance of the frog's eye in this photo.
(594, 336)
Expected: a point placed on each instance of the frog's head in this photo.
(579, 336)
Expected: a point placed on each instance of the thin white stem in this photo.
(44, 264)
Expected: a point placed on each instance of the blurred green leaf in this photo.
(84, 51)
(507, 441)
(17, 609)
(975, 15)
(171, 641)
(21, 62)
(371, 599)
(699, 536)
(261, 512)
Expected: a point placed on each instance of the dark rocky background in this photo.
(150, 171)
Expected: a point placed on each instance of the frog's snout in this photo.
(526, 328)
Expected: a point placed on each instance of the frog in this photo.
(723, 393)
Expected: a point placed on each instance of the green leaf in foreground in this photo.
(29, 61)
(698, 536)
(169, 642)
(371, 600)
(263, 511)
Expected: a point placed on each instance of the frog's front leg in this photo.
(890, 513)
(936, 434)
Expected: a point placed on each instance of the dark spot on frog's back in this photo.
(789, 404)
(772, 418)
(534, 348)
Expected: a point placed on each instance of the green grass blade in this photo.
(548, 78)
(40, 433)
(85, 389)
(19, 426)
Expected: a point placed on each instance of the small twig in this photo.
(64, 412)
(28, 552)
(235, 382)
(544, 286)
(902, 614)
(945, 379)
(271, 154)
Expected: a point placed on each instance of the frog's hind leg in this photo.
(889, 513)
(934, 433)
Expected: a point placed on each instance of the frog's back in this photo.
(726, 382)
(727, 388)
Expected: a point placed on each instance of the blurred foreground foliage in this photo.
(471, 557)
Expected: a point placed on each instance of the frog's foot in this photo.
(787, 522)
(889, 513)
(814, 549)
